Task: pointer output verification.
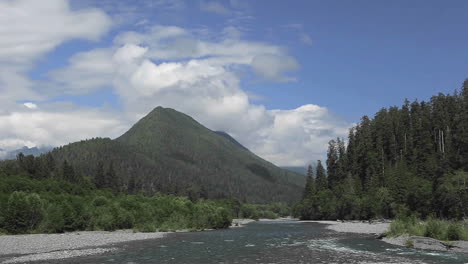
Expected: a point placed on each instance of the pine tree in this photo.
(99, 178)
(341, 168)
(463, 131)
(112, 181)
(131, 187)
(309, 189)
(332, 164)
(321, 177)
(68, 173)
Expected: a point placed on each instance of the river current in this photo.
(269, 242)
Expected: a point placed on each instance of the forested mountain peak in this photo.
(168, 151)
(160, 121)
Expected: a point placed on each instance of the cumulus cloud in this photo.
(203, 83)
(30, 105)
(29, 30)
(161, 65)
(55, 126)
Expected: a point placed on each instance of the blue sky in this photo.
(363, 55)
(309, 67)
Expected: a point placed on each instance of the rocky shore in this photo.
(379, 228)
(428, 243)
(43, 247)
(357, 227)
(25, 248)
(241, 222)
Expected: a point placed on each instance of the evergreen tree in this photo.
(463, 131)
(309, 189)
(321, 177)
(68, 173)
(413, 158)
(111, 179)
(99, 178)
(332, 164)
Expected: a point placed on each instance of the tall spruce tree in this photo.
(463, 131)
(321, 177)
(309, 189)
(332, 163)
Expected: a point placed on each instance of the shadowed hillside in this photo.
(168, 151)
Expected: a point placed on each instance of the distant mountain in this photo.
(300, 170)
(168, 151)
(35, 151)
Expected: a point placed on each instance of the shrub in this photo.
(24, 212)
(409, 243)
(249, 211)
(223, 218)
(105, 221)
(53, 222)
(454, 231)
(268, 214)
(100, 201)
(435, 229)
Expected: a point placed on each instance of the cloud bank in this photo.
(162, 65)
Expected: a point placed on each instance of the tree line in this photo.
(405, 160)
(40, 195)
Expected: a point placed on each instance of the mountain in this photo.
(228, 137)
(169, 152)
(35, 151)
(300, 170)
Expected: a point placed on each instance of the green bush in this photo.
(409, 243)
(268, 214)
(249, 211)
(24, 212)
(435, 229)
(223, 218)
(53, 222)
(454, 231)
(100, 201)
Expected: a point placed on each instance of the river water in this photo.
(269, 242)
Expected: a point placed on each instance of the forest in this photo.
(38, 195)
(405, 161)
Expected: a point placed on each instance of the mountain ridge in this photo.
(170, 152)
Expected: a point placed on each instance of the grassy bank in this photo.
(434, 228)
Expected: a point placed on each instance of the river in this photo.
(268, 242)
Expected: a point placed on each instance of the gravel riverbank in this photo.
(35, 247)
(380, 228)
(23, 248)
(355, 227)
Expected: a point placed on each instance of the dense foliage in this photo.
(169, 152)
(435, 228)
(407, 160)
(61, 200)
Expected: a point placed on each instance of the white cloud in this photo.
(29, 30)
(214, 7)
(56, 126)
(204, 84)
(30, 105)
(272, 67)
(165, 65)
